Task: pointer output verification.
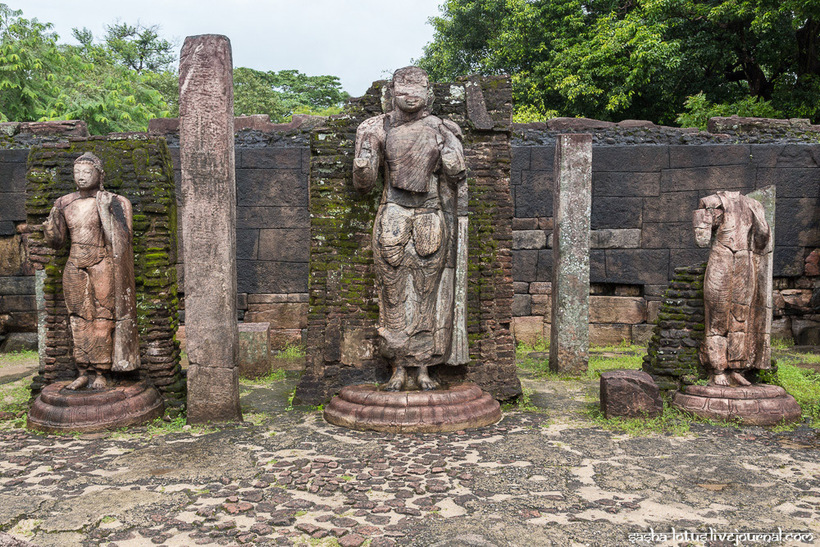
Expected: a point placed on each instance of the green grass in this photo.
(273, 376)
(671, 421)
(17, 357)
(600, 359)
(523, 403)
(14, 396)
(291, 351)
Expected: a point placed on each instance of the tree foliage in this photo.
(616, 59)
(120, 82)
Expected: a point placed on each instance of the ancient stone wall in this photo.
(138, 168)
(343, 301)
(646, 182)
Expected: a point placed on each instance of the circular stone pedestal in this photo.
(364, 407)
(759, 404)
(58, 410)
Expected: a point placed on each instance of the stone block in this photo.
(284, 245)
(270, 158)
(17, 302)
(617, 309)
(626, 184)
(533, 197)
(707, 155)
(609, 334)
(272, 217)
(529, 239)
(795, 182)
(254, 349)
(271, 187)
(272, 277)
(627, 290)
(547, 224)
(728, 177)
(667, 235)
(247, 244)
(13, 207)
(19, 341)
(284, 315)
(641, 334)
(525, 265)
(629, 394)
(597, 266)
(638, 158)
(540, 287)
(616, 212)
(7, 228)
(613, 238)
(17, 285)
(782, 329)
(799, 155)
(12, 177)
(648, 266)
(242, 301)
(521, 287)
(524, 223)
(670, 207)
(19, 156)
(357, 346)
(542, 158)
(545, 265)
(798, 223)
(520, 159)
(528, 329)
(793, 301)
(806, 332)
(679, 258)
(812, 268)
(788, 261)
(653, 307)
(542, 305)
(522, 305)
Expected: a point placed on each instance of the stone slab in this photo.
(629, 394)
(254, 349)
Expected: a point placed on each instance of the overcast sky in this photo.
(357, 40)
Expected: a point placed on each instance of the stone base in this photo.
(759, 404)
(364, 407)
(59, 410)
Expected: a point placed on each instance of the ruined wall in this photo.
(139, 169)
(646, 181)
(343, 313)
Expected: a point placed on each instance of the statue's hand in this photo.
(361, 163)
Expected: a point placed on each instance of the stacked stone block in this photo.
(341, 336)
(672, 356)
(139, 169)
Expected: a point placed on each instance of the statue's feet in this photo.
(99, 382)
(397, 380)
(739, 379)
(80, 382)
(424, 381)
(719, 379)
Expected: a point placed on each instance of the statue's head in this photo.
(411, 89)
(88, 172)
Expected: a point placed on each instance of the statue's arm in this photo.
(55, 229)
(128, 212)
(370, 138)
(453, 163)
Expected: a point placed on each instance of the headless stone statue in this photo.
(736, 288)
(419, 233)
(98, 279)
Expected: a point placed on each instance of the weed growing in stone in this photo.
(292, 351)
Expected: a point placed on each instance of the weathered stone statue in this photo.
(737, 291)
(420, 231)
(98, 279)
(737, 287)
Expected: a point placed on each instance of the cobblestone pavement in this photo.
(536, 478)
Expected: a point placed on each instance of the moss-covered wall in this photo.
(139, 169)
(343, 309)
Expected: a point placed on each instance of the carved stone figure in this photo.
(737, 287)
(419, 233)
(98, 279)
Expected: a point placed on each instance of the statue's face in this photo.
(86, 176)
(410, 96)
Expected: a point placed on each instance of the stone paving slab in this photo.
(532, 479)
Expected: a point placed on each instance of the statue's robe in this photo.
(98, 278)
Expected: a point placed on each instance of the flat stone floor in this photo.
(550, 477)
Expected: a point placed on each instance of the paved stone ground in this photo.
(536, 478)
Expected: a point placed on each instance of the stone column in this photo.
(571, 205)
(209, 227)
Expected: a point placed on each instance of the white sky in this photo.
(357, 40)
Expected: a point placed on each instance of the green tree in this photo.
(615, 59)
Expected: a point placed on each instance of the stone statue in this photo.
(737, 288)
(98, 279)
(419, 233)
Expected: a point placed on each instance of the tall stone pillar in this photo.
(572, 204)
(209, 227)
